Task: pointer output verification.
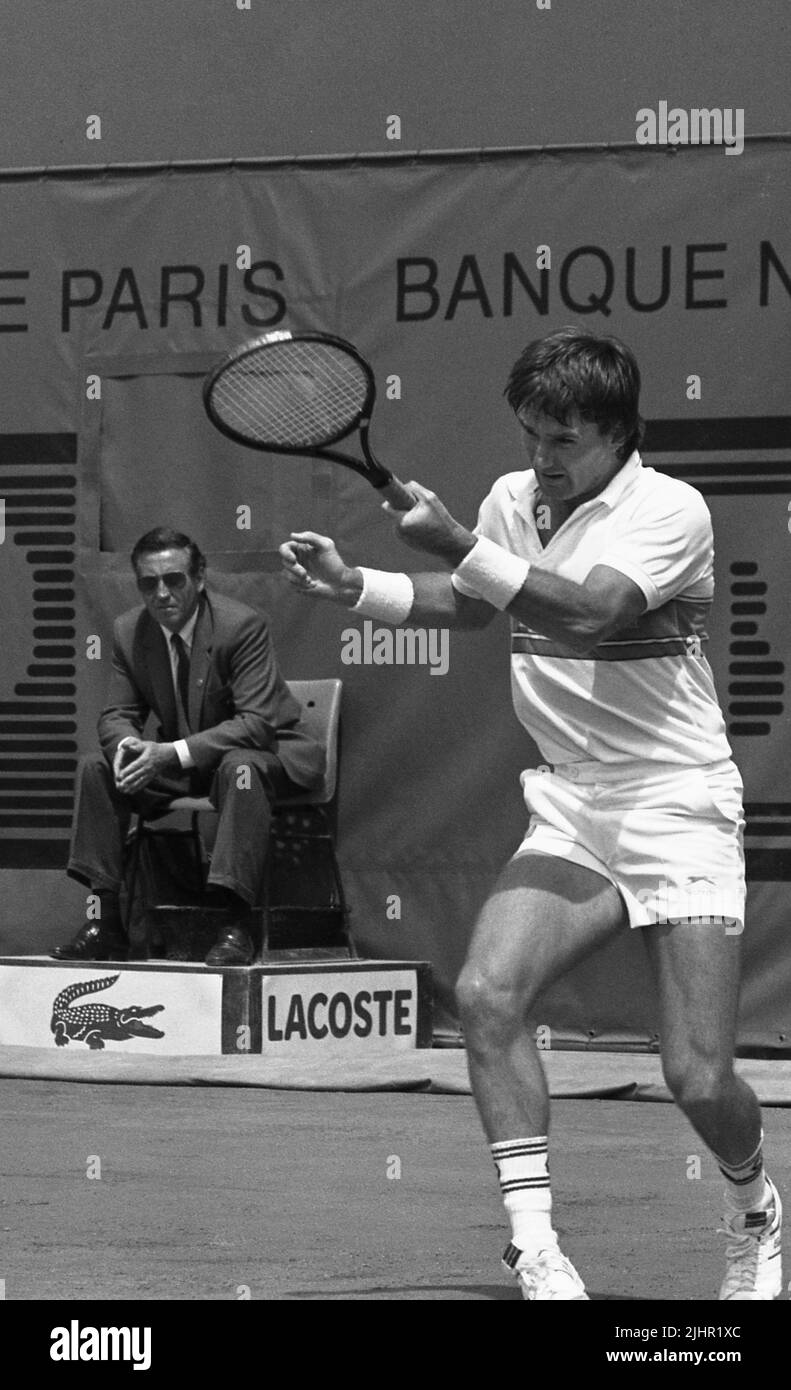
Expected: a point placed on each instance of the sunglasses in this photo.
(174, 579)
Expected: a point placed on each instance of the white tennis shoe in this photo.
(754, 1267)
(547, 1275)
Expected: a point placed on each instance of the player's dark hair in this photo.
(165, 538)
(572, 371)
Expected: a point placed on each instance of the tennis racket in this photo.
(299, 393)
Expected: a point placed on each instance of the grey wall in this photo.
(193, 79)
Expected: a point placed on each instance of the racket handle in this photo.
(397, 495)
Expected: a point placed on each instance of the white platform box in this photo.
(152, 1007)
(342, 1007)
(181, 1009)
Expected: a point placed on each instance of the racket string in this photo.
(295, 394)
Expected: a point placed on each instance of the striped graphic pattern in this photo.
(748, 457)
(752, 663)
(752, 457)
(38, 726)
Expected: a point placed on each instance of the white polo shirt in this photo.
(647, 693)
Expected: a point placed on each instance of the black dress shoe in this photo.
(233, 947)
(94, 942)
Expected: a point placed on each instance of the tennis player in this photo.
(605, 568)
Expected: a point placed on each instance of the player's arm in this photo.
(578, 615)
(314, 567)
(437, 603)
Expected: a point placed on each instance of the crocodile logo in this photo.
(95, 1023)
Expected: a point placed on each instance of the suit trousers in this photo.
(243, 789)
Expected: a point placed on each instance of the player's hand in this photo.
(429, 526)
(149, 760)
(313, 566)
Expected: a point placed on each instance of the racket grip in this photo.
(397, 495)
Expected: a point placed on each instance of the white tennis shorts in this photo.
(670, 838)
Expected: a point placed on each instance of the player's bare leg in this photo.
(544, 916)
(697, 966)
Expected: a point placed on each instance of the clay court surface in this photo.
(206, 1192)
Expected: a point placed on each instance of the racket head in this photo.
(290, 393)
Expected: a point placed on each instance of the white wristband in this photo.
(386, 596)
(494, 573)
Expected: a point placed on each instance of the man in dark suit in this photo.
(229, 728)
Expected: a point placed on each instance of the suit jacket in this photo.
(237, 697)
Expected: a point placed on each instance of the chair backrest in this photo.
(321, 716)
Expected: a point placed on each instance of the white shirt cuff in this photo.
(183, 753)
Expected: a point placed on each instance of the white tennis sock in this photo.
(523, 1169)
(746, 1188)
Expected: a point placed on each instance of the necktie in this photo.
(182, 673)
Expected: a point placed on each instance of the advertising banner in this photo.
(118, 291)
